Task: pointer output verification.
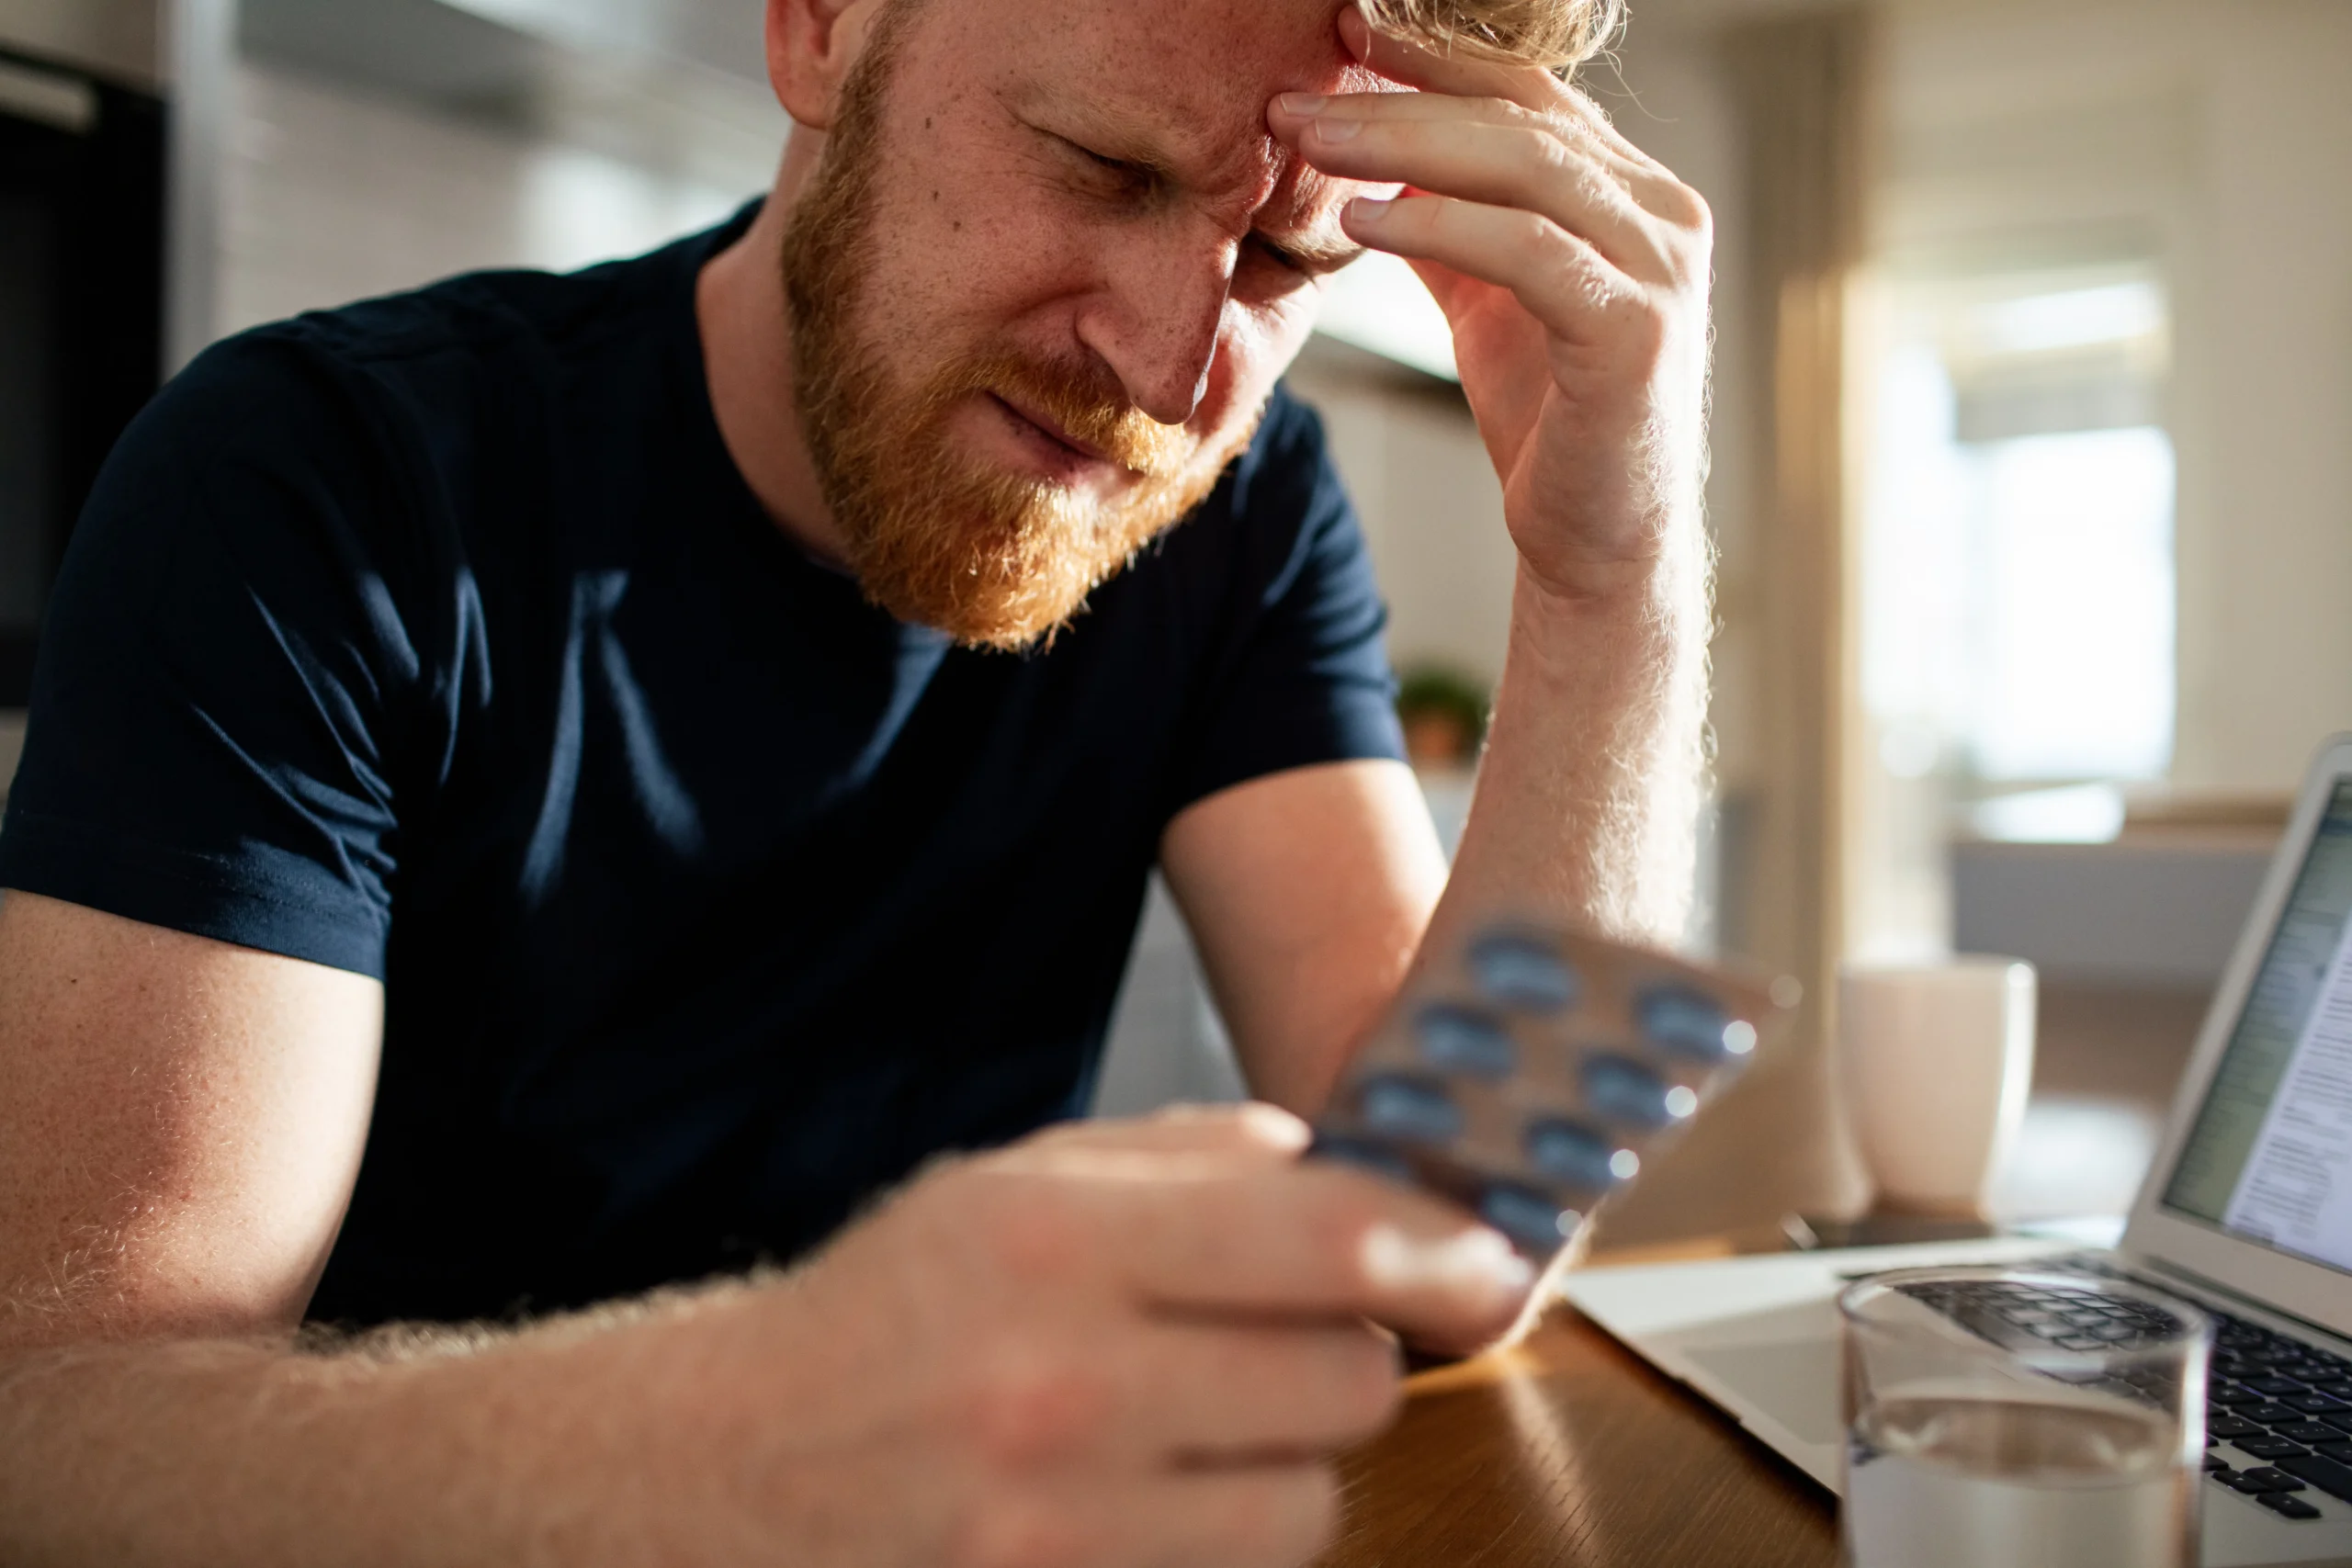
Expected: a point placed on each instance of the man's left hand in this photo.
(1573, 269)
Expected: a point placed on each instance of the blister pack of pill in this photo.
(1528, 1076)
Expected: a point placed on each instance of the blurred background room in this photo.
(2032, 445)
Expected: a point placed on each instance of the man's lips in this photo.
(1052, 430)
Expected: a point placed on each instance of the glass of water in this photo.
(2020, 1418)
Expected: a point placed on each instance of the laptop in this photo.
(2246, 1211)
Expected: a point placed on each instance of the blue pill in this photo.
(1571, 1155)
(1685, 1022)
(1365, 1155)
(1520, 971)
(1523, 1215)
(1627, 1092)
(1411, 1109)
(1464, 1039)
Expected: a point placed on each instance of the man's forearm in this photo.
(254, 1455)
(1108, 1343)
(1589, 793)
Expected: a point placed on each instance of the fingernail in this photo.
(1368, 209)
(1355, 32)
(1337, 129)
(1303, 102)
(1273, 1126)
(1472, 1260)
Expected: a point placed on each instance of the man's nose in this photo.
(1156, 324)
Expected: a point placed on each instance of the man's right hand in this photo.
(1113, 1344)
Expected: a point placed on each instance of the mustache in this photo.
(1077, 400)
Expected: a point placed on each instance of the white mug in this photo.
(1935, 1062)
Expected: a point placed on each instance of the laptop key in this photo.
(2269, 1448)
(2262, 1478)
(2270, 1415)
(2274, 1385)
(2232, 1427)
(2310, 1432)
(2338, 1450)
(2233, 1395)
(2315, 1403)
(2329, 1476)
(2288, 1505)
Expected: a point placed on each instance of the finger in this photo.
(1560, 279)
(1263, 1516)
(1522, 165)
(1146, 1392)
(1532, 87)
(1231, 1392)
(1580, 107)
(1253, 1130)
(1463, 75)
(1654, 184)
(1289, 115)
(1313, 1240)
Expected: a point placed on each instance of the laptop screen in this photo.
(2269, 1157)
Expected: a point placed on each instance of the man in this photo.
(656, 757)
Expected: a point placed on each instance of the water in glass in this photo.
(1972, 1479)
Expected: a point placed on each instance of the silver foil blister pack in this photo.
(1528, 1075)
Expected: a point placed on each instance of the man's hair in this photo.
(1554, 33)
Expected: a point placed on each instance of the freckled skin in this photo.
(1032, 247)
(991, 233)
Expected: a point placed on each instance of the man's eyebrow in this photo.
(1111, 130)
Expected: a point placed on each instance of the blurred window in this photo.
(2017, 590)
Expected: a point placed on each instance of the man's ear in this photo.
(812, 44)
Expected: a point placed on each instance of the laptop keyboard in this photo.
(2271, 1398)
(2284, 1403)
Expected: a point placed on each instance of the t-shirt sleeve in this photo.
(1302, 673)
(223, 667)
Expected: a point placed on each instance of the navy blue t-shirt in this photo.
(438, 639)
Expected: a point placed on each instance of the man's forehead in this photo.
(1183, 87)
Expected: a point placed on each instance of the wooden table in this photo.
(1570, 1451)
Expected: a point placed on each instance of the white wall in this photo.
(334, 192)
(2266, 379)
